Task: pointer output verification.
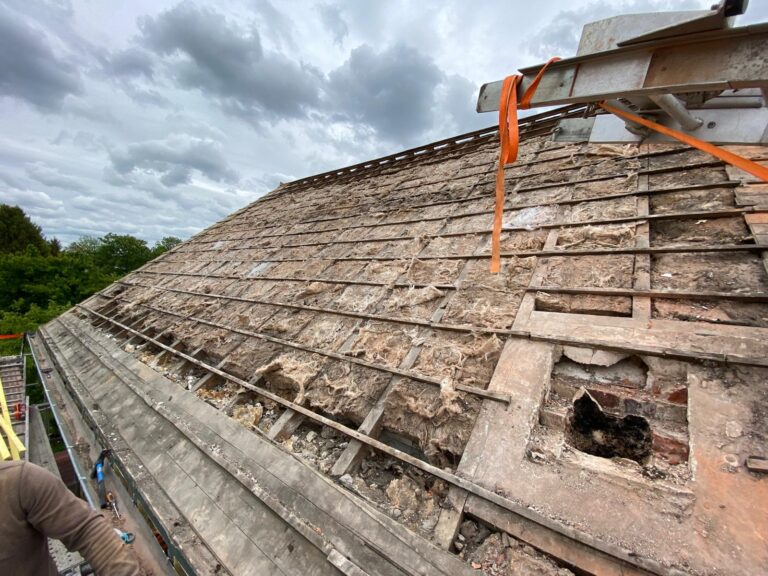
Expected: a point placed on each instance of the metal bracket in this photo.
(734, 126)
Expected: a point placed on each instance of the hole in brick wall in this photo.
(595, 432)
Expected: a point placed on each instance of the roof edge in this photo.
(526, 125)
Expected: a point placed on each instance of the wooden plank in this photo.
(666, 294)
(559, 224)
(435, 471)
(556, 545)
(432, 323)
(371, 425)
(528, 304)
(292, 472)
(676, 249)
(756, 464)
(419, 207)
(290, 420)
(286, 425)
(343, 357)
(641, 305)
(199, 489)
(757, 218)
(673, 339)
(758, 225)
(752, 195)
(500, 435)
(152, 499)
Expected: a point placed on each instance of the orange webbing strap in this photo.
(510, 139)
(734, 159)
(10, 336)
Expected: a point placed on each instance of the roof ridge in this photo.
(526, 124)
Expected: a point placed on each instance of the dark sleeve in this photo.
(57, 513)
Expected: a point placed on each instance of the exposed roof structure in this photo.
(331, 381)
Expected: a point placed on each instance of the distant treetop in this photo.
(18, 232)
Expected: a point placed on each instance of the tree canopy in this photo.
(39, 280)
(18, 232)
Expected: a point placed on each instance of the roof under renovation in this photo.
(331, 381)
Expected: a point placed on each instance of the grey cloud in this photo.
(330, 14)
(146, 96)
(82, 139)
(49, 10)
(177, 175)
(33, 200)
(171, 160)
(194, 126)
(458, 97)
(52, 177)
(392, 91)
(561, 36)
(209, 53)
(95, 112)
(29, 69)
(11, 181)
(131, 69)
(276, 24)
(130, 62)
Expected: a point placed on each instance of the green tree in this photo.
(167, 243)
(18, 232)
(119, 254)
(86, 246)
(39, 280)
(54, 247)
(32, 279)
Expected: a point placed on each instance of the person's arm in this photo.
(57, 513)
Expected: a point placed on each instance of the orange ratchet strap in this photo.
(734, 159)
(10, 336)
(510, 139)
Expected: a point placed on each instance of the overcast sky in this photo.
(159, 117)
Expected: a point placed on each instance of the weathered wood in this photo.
(367, 537)
(528, 303)
(472, 198)
(645, 563)
(179, 364)
(758, 225)
(560, 224)
(176, 345)
(676, 249)
(558, 546)
(286, 425)
(500, 435)
(508, 206)
(695, 341)
(666, 294)
(346, 358)
(371, 425)
(641, 305)
(166, 518)
(246, 536)
(435, 324)
(752, 195)
(755, 464)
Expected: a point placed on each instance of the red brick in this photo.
(671, 449)
(605, 399)
(679, 396)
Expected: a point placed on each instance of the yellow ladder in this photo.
(16, 446)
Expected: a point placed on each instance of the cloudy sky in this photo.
(160, 117)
